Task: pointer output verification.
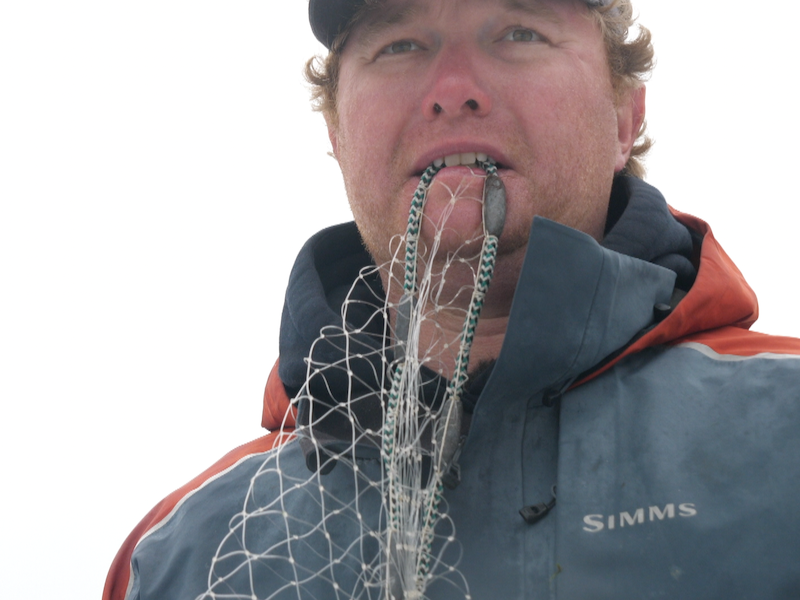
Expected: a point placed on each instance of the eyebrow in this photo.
(382, 19)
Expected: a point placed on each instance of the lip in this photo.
(446, 149)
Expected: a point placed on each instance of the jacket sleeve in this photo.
(118, 581)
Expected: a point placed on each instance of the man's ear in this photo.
(333, 136)
(630, 116)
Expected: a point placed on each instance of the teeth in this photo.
(466, 159)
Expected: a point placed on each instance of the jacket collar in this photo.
(576, 302)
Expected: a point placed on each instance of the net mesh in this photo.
(354, 506)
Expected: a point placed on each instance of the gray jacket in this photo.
(671, 435)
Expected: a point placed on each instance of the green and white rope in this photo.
(447, 427)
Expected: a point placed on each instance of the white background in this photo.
(159, 170)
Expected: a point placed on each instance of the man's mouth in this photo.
(463, 159)
(475, 160)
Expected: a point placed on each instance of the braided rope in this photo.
(450, 417)
(448, 422)
(414, 226)
(485, 272)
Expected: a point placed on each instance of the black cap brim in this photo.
(328, 17)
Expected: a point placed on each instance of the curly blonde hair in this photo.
(630, 60)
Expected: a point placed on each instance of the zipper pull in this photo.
(534, 513)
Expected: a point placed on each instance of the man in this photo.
(620, 435)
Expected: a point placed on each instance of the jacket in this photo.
(668, 429)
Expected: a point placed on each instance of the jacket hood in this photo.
(595, 300)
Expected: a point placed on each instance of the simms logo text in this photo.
(595, 523)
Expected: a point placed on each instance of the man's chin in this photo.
(451, 224)
(453, 213)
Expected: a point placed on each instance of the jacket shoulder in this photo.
(118, 581)
(736, 342)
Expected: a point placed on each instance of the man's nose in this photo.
(456, 88)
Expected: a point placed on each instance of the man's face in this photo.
(525, 82)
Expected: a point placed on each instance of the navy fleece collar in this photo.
(640, 225)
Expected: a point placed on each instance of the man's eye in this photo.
(521, 34)
(400, 47)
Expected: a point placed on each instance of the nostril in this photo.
(472, 104)
(436, 108)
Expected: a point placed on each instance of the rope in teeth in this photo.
(412, 517)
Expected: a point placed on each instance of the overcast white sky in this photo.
(159, 170)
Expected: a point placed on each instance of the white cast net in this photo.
(353, 506)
